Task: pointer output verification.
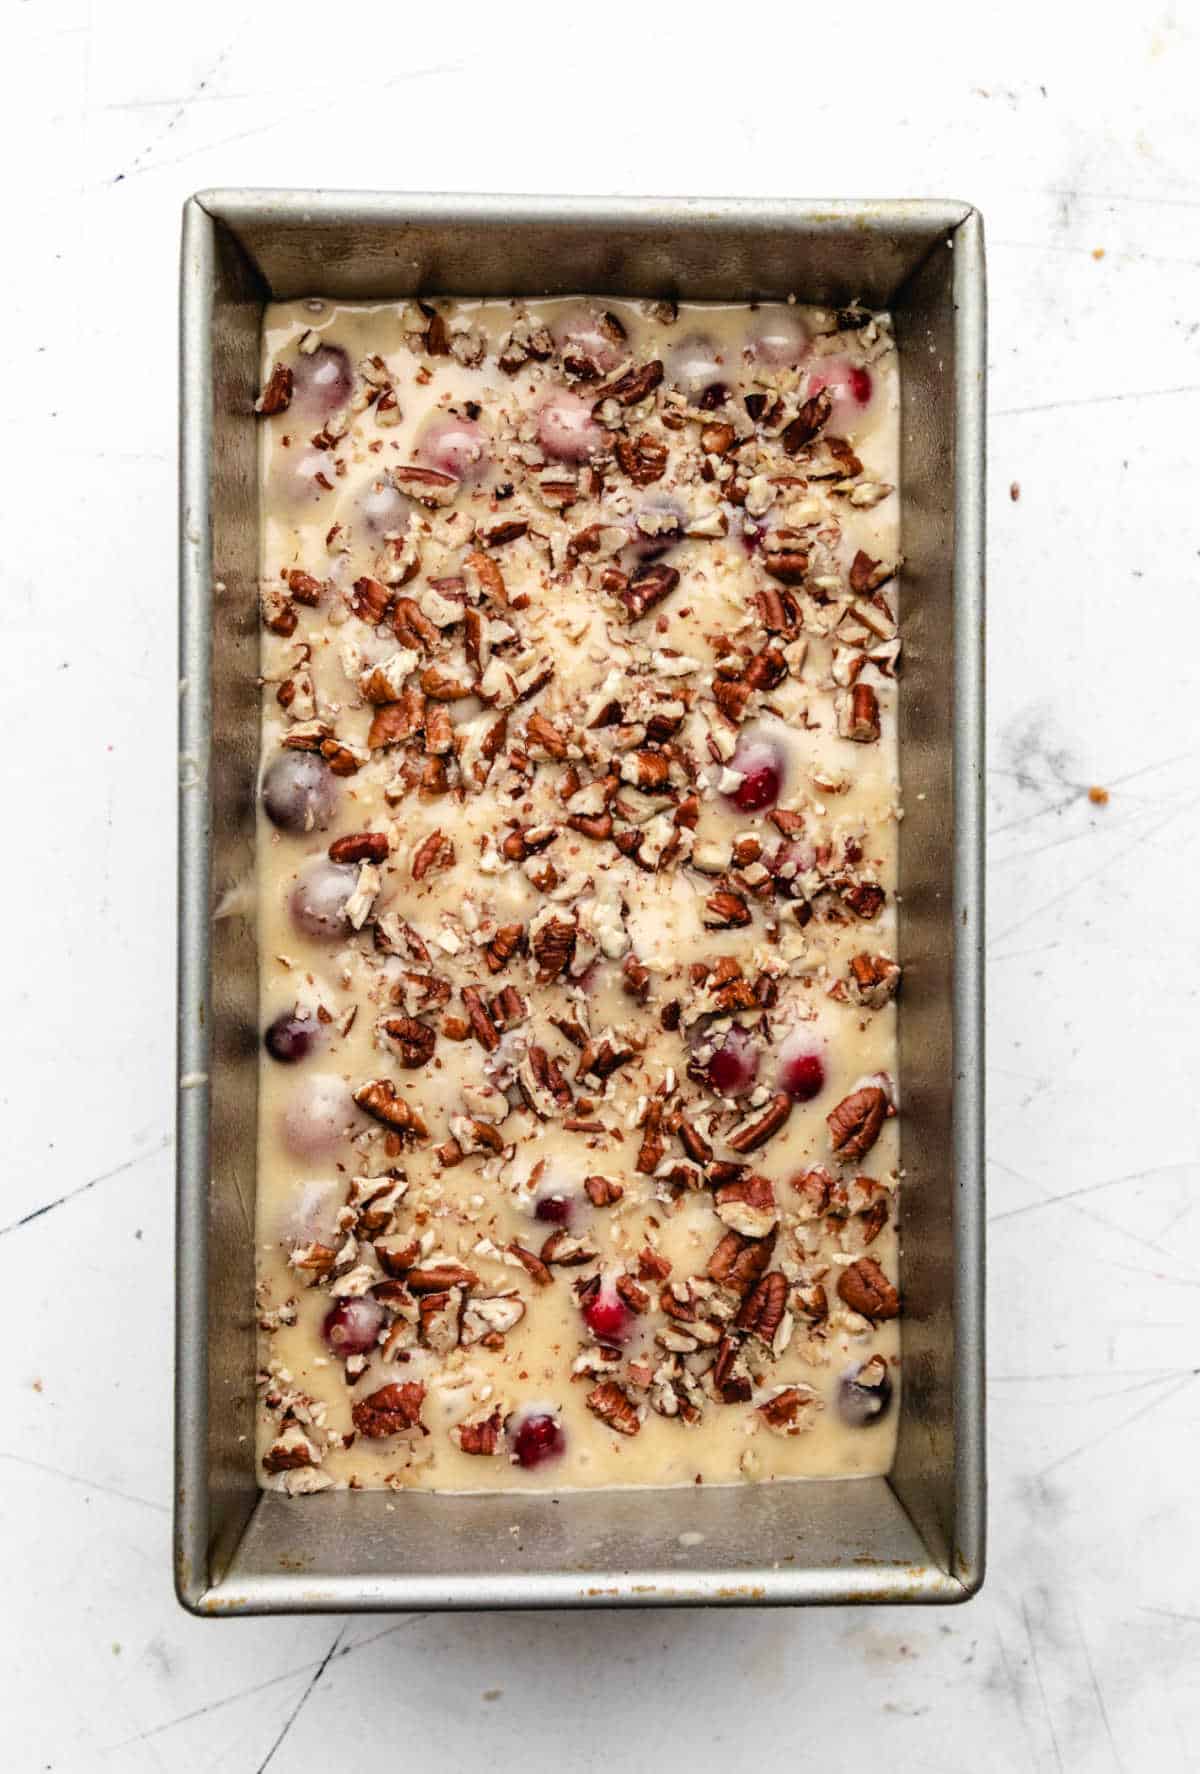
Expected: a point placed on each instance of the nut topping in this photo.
(855, 1124)
(866, 1289)
(613, 1406)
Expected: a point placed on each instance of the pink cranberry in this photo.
(850, 387)
(538, 1437)
(780, 339)
(385, 510)
(318, 901)
(322, 382)
(696, 367)
(580, 333)
(801, 1070)
(299, 792)
(319, 1116)
(761, 764)
(606, 1315)
(303, 476)
(555, 1210)
(351, 1327)
(734, 1066)
(566, 430)
(453, 445)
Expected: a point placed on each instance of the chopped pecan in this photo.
(552, 943)
(395, 722)
(276, 396)
(874, 979)
(788, 565)
(731, 696)
(439, 1320)
(440, 686)
(378, 1099)
(734, 1388)
(602, 1191)
(435, 852)
(653, 1146)
(370, 600)
(748, 1206)
(508, 1008)
(412, 627)
(652, 1266)
(642, 458)
(866, 1289)
(503, 947)
(612, 1404)
(865, 898)
(292, 1450)
(440, 1278)
(390, 1411)
(647, 770)
(814, 1188)
(428, 486)
(726, 911)
(343, 760)
(855, 1123)
(360, 847)
(739, 1262)
(716, 439)
(693, 1141)
(766, 669)
(635, 978)
(542, 1084)
(809, 422)
(414, 1041)
(304, 588)
(633, 1296)
(490, 577)
(792, 1410)
(482, 1026)
(567, 1251)
(508, 530)
(533, 1266)
(541, 731)
(762, 1310)
(648, 587)
(858, 714)
(596, 826)
(762, 1125)
(483, 1435)
(439, 730)
(397, 1254)
(632, 387)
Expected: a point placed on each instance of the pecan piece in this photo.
(435, 852)
(482, 1026)
(867, 575)
(874, 979)
(533, 1266)
(602, 1191)
(762, 1125)
(612, 1404)
(541, 731)
(508, 530)
(397, 1254)
(748, 1206)
(635, 979)
(395, 722)
(788, 565)
(276, 396)
(762, 1310)
(648, 587)
(739, 1262)
(360, 847)
(642, 458)
(808, 423)
(855, 1123)
(858, 714)
(866, 1289)
(379, 1100)
(412, 627)
(633, 1296)
(552, 944)
(390, 1411)
(726, 911)
(482, 1436)
(414, 1041)
(440, 1278)
(632, 387)
(652, 1266)
(791, 1411)
(653, 1146)
(567, 1251)
(503, 947)
(370, 600)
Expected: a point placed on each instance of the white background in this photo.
(1077, 140)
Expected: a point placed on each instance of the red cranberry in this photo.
(780, 339)
(322, 382)
(555, 1210)
(290, 1038)
(318, 901)
(734, 1066)
(299, 792)
(761, 764)
(318, 1117)
(566, 430)
(802, 1075)
(538, 1437)
(453, 445)
(606, 1315)
(352, 1326)
(849, 384)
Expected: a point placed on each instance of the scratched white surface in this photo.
(1083, 1651)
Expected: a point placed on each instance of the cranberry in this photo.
(322, 382)
(779, 339)
(538, 1437)
(695, 367)
(761, 764)
(318, 1117)
(606, 1314)
(352, 1326)
(649, 545)
(453, 445)
(318, 901)
(555, 1210)
(312, 1216)
(579, 332)
(566, 430)
(290, 1038)
(865, 1393)
(734, 1066)
(849, 384)
(802, 1075)
(299, 792)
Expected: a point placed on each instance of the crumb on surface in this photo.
(1097, 252)
(1014, 491)
(1098, 796)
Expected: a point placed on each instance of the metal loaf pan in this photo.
(915, 1536)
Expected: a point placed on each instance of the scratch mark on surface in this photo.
(176, 117)
(304, 1698)
(88, 1484)
(1170, 1614)
(1125, 1423)
(1037, 1670)
(1096, 400)
(1133, 1176)
(1103, 1710)
(92, 1183)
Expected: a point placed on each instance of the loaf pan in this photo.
(917, 1535)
